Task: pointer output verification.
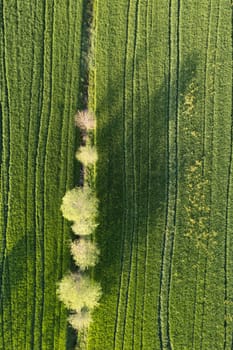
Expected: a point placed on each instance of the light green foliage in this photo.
(85, 120)
(84, 227)
(80, 206)
(80, 320)
(85, 253)
(87, 155)
(77, 291)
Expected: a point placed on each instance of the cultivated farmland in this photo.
(160, 84)
(40, 65)
(163, 100)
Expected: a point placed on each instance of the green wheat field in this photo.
(160, 85)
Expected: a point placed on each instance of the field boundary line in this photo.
(135, 194)
(40, 275)
(231, 121)
(33, 312)
(227, 239)
(226, 243)
(148, 173)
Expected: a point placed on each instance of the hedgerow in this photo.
(79, 292)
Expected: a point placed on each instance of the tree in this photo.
(85, 120)
(87, 155)
(84, 227)
(85, 253)
(79, 292)
(80, 206)
(80, 320)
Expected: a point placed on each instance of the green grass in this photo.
(161, 87)
(40, 49)
(162, 92)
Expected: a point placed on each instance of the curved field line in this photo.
(140, 143)
(231, 157)
(17, 45)
(70, 129)
(5, 158)
(226, 247)
(5, 181)
(134, 179)
(135, 214)
(136, 200)
(160, 318)
(28, 197)
(148, 173)
(227, 236)
(212, 146)
(63, 180)
(49, 127)
(172, 192)
(40, 185)
(65, 138)
(176, 136)
(124, 219)
(38, 228)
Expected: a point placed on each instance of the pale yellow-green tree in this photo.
(85, 253)
(85, 120)
(80, 320)
(79, 292)
(80, 206)
(87, 155)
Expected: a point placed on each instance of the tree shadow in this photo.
(110, 181)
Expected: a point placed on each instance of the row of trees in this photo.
(77, 290)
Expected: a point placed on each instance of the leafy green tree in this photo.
(85, 253)
(80, 320)
(79, 292)
(87, 155)
(85, 120)
(80, 206)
